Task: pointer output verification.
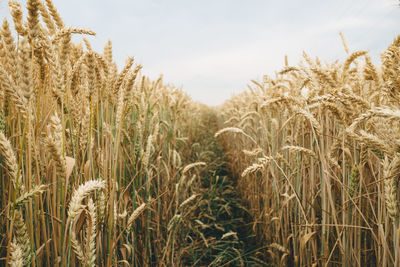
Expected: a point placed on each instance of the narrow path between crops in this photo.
(225, 221)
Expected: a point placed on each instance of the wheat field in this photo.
(102, 166)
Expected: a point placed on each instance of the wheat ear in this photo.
(75, 206)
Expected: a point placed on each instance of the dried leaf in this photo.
(70, 165)
(86, 170)
(305, 238)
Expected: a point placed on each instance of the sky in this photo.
(213, 48)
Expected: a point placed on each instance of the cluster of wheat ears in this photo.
(95, 162)
(98, 167)
(317, 153)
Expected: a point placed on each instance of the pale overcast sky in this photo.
(212, 48)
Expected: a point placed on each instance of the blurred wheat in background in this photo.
(105, 167)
